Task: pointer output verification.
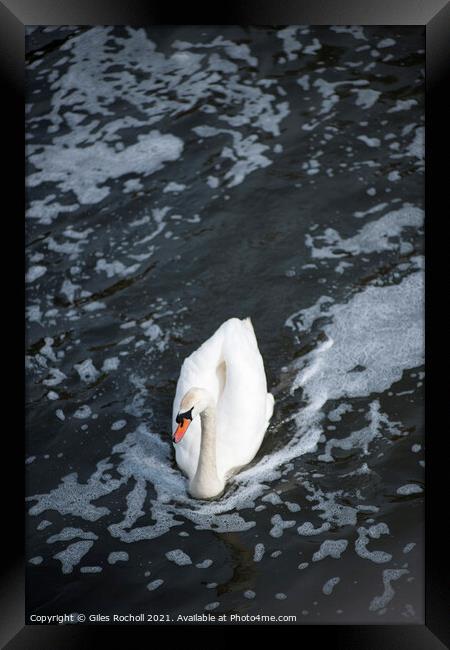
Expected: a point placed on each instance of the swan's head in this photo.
(193, 403)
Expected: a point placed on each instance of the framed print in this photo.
(225, 272)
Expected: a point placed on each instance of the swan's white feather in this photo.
(243, 405)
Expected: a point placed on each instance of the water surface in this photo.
(180, 176)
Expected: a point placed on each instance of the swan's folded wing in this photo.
(204, 367)
(242, 406)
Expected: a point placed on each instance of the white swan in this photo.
(222, 398)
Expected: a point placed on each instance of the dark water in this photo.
(297, 159)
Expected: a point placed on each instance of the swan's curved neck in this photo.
(206, 482)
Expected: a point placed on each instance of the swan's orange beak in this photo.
(181, 430)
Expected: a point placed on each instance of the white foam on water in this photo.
(72, 555)
(409, 547)
(179, 557)
(167, 85)
(379, 557)
(118, 425)
(417, 147)
(35, 272)
(389, 575)
(246, 153)
(84, 171)
(210, 606)
(73, 247)
(47, 349)
(386, 42)
(205, 564)
(355, 30)
(112, 363)
(33, 314)
(372, 210)
(304, 82)
(155, 334)
(83, 412)
(307, 528)
(332, 511)
(370, 142)
(158, 215)
(327, 89)
(380, 332)
(313, 48)
(290, 43)
(330, 584)
(174, 187)
(87, 371)
(74, 498)
(336, 414)
(118, 556)
(279, 525)
(330, 548)
(212, 181)
(272, 497)
(409, 611)
(409, 488)
(234, 50)
(258, 554)
(366, 97)
(402, 105)
(56, 377)
(71, 533)
(393, 176)
(69, 289)
(94, 306)
(377, 530)
(115, 268)
(361, 439)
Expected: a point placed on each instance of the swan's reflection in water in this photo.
(244, 569)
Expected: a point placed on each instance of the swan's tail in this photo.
(248, 324)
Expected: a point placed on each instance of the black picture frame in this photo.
(14, 16)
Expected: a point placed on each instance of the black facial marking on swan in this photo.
(181, 416)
